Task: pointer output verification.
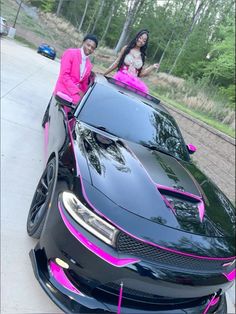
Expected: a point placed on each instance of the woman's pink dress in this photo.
(129, 71)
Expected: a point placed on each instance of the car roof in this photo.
(150, 100)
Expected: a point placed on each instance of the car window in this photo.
(133, 120)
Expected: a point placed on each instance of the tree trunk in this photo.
(108, 22)
(92, 19)
(133, 8)
(84, 14)
(198, 9)
(59, 7)
(166, 47)
(102, 2)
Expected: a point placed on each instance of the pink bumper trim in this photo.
(60, 277)
(118, 262)
(201, 206)
(231, 276)
(213, 302)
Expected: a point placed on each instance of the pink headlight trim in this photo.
(231, 276)
(118, 262)
(61, 278)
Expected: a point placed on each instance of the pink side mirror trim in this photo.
(191, 148)
(64, 96)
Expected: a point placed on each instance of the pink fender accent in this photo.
(61, 278)
(201, 206)
(231, 276)
(213, 301)
(46, 140)
(118, 262)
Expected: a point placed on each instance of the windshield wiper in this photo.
(158, 149)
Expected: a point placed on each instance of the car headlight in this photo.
(88, 220)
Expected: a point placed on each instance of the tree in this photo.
(59, 7)
(133, 6)
(109, 20)
(84, 14)
(101, 5)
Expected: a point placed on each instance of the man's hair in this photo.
(91, 37)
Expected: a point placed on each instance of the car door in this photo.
(57, 127)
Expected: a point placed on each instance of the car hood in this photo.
(153, 185)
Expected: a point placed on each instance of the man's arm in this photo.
(65, 73)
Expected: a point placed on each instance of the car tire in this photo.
(41, 200)
(46, 115)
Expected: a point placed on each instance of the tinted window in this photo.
(133, 120)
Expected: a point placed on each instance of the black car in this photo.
(125, 221)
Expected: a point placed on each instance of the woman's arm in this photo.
(116, 62)
(148, 70)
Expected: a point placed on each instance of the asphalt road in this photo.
(27, 81)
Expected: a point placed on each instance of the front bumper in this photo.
(92, 277)
(71, 302)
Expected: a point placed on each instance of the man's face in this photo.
(89, 46)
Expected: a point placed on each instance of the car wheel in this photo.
(46, 115)
(41, 200)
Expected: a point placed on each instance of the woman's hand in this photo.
(156, 66)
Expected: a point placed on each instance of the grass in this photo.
(198, 115)
(25, 42)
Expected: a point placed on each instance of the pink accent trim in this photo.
(201, 206)
(61, 278)
(120, 298)
(230, 276)
(118, 262)
(168, 204)
(64, 96)
(192, 148)
(46, 140)
(125, 231)
(212, 302)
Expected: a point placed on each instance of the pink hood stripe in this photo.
(201, 206)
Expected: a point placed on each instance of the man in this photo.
(76, 69)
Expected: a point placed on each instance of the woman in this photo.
(131, 60)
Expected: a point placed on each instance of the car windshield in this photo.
(131, 119)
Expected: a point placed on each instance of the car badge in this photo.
(229, 263)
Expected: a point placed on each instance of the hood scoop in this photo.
(183, 204)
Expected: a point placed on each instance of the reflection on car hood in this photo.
(154, 185)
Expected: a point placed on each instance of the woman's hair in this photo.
(132, 45)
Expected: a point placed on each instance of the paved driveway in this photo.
(27, 81)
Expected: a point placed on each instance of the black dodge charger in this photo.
(126, 222)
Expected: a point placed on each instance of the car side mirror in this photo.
(64, 100)
(191, 148)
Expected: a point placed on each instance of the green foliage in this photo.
(47, 5)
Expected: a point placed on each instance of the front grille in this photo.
(128, 245)
(141, 300)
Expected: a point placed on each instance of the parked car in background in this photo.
(3, 26)
(47, 51)
(126, 222)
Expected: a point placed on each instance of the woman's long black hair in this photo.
(132, 45)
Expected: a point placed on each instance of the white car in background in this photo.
(3, 26)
